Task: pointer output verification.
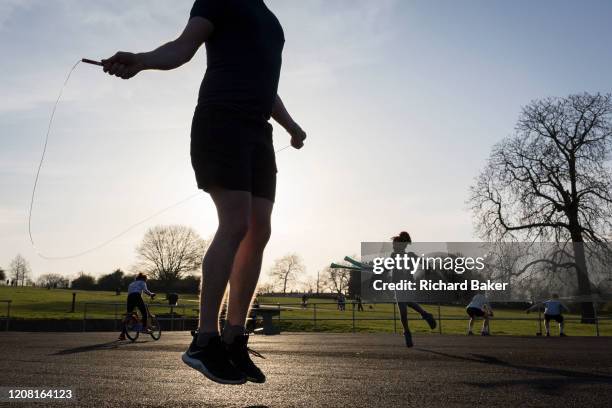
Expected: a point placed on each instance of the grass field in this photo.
(39, 303)
(371, 319)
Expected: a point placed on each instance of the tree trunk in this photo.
(582, 276)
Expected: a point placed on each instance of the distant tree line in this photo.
(118, 281)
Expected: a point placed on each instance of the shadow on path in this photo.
(111, 345)
(543, 384)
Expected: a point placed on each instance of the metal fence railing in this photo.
(313, 313)
(182, 316)
(176, 314)
(7, 317)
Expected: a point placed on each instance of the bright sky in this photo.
(402, 102)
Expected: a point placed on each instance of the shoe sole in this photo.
(431, 321)
(197, 365)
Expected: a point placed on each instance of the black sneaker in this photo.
(428, 317)
(408, 339)
(238, 353)
(212, 361)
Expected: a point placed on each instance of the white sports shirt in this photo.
(138, 286)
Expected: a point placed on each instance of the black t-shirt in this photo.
(244, 56)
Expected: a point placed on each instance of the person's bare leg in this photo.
(428, 317)
(403, 311)
(233, 210)
(416, 307)
(247, 265)
(485, 324)
(470, 324)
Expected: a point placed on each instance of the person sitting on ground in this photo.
(479, 307)
(553, 310)
(134, 300)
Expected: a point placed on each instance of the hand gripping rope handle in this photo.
(92, 62)
(42, 160)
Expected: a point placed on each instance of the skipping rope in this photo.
(38, 171)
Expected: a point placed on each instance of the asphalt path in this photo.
(317, 370)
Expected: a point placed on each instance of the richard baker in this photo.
(428, 285)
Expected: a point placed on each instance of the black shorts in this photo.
(475, 312)
(557, 318)
(134, 300)
(233, 151)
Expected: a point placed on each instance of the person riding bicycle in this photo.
(134, 300)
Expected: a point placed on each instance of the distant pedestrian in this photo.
(341, 302)
(359, 303)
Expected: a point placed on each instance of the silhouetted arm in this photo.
(169, 56)
(280, 115)
(533, 307)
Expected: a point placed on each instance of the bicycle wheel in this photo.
(132, 327)
(155, 328)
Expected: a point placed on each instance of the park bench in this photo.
(267, 314)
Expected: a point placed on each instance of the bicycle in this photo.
(132, 325)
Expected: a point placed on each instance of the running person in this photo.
(233, 159)
(479, 307)
(134, 300)
(553, 310)
(400, 242)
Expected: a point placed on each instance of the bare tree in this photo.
(168, 252)
(53, 280)
(336, 279)
(265, 288)
(285, 269)
(550, 180)
(20, 270)
(309, 285)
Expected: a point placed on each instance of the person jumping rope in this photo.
(233, 159)
(553, 310)
(400, 242)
